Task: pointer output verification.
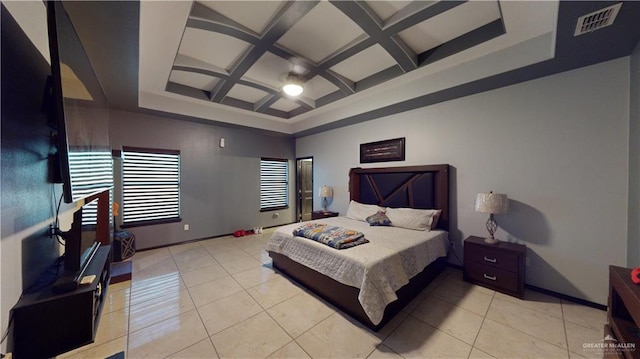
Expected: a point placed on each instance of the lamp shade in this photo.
(326, 191)
(494, 203)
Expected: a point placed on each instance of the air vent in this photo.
(597, 19)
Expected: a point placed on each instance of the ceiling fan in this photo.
(294, 81)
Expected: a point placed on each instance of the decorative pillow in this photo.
(379, 219)
(410, 218)
(360, 212)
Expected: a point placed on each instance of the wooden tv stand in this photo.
(46, 324)
(623, 314)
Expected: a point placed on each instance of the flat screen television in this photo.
(80, 112)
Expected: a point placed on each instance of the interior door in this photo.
(305, 188)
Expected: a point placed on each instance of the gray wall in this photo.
(557, 146)
(220, 190)
(633, 252)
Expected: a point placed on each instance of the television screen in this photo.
(81, 111)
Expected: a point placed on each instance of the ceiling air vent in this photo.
(597, 19)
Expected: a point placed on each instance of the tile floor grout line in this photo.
(283, 329)
(484, 317)
(564, 326)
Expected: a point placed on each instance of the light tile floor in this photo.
(220, 298)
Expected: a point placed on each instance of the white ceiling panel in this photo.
(255, 15)
(206, 46)
(246, 93)
(365, 63)
(285, 105)
(318, 87)
(320, 33)
(269, 70)
(192, 79)
(449, 25)
(183, 60)
(386, 9)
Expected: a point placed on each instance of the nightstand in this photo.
(323, 214)
(496, 266)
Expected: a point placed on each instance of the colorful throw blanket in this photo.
(333, 236)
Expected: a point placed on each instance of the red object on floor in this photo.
(238, 233)
(635, 275)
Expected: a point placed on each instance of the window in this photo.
(150, 186)
(274, 184)
(90, 172)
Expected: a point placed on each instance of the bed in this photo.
(361, 280)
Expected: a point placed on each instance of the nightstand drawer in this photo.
(491, 277)
(491, 256)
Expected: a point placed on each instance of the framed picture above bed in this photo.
(382, 151)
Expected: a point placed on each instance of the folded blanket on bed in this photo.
(333, 236)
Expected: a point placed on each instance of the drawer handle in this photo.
(489, 277)
(492, 260)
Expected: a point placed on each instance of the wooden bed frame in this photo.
(415, 187)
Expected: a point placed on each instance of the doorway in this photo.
(304, 188)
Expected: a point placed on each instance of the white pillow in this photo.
(410, 218)
(360, 211)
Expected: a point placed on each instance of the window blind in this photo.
(150, 185)
(90, 172)
(274, 186)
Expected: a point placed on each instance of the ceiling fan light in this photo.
(293, 86)
(292, 89)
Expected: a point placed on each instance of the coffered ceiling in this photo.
(239, 53)
(225, 61)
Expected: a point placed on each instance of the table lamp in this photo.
(492, 203)
(325, 192)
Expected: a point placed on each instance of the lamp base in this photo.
(491, 241)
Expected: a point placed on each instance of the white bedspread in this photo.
(379, 268)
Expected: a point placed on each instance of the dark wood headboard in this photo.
(423, 187)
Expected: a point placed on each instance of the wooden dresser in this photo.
(500, 267)
(623, 315)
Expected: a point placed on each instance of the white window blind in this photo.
(274, 185)
(150, 185)
(90, 172)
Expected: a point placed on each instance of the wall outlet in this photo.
(186, 227)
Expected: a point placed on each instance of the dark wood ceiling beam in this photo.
(369, 21)
(288, 16)
(222, 76)
(264, 103)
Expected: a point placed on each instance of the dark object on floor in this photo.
(124, 245)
